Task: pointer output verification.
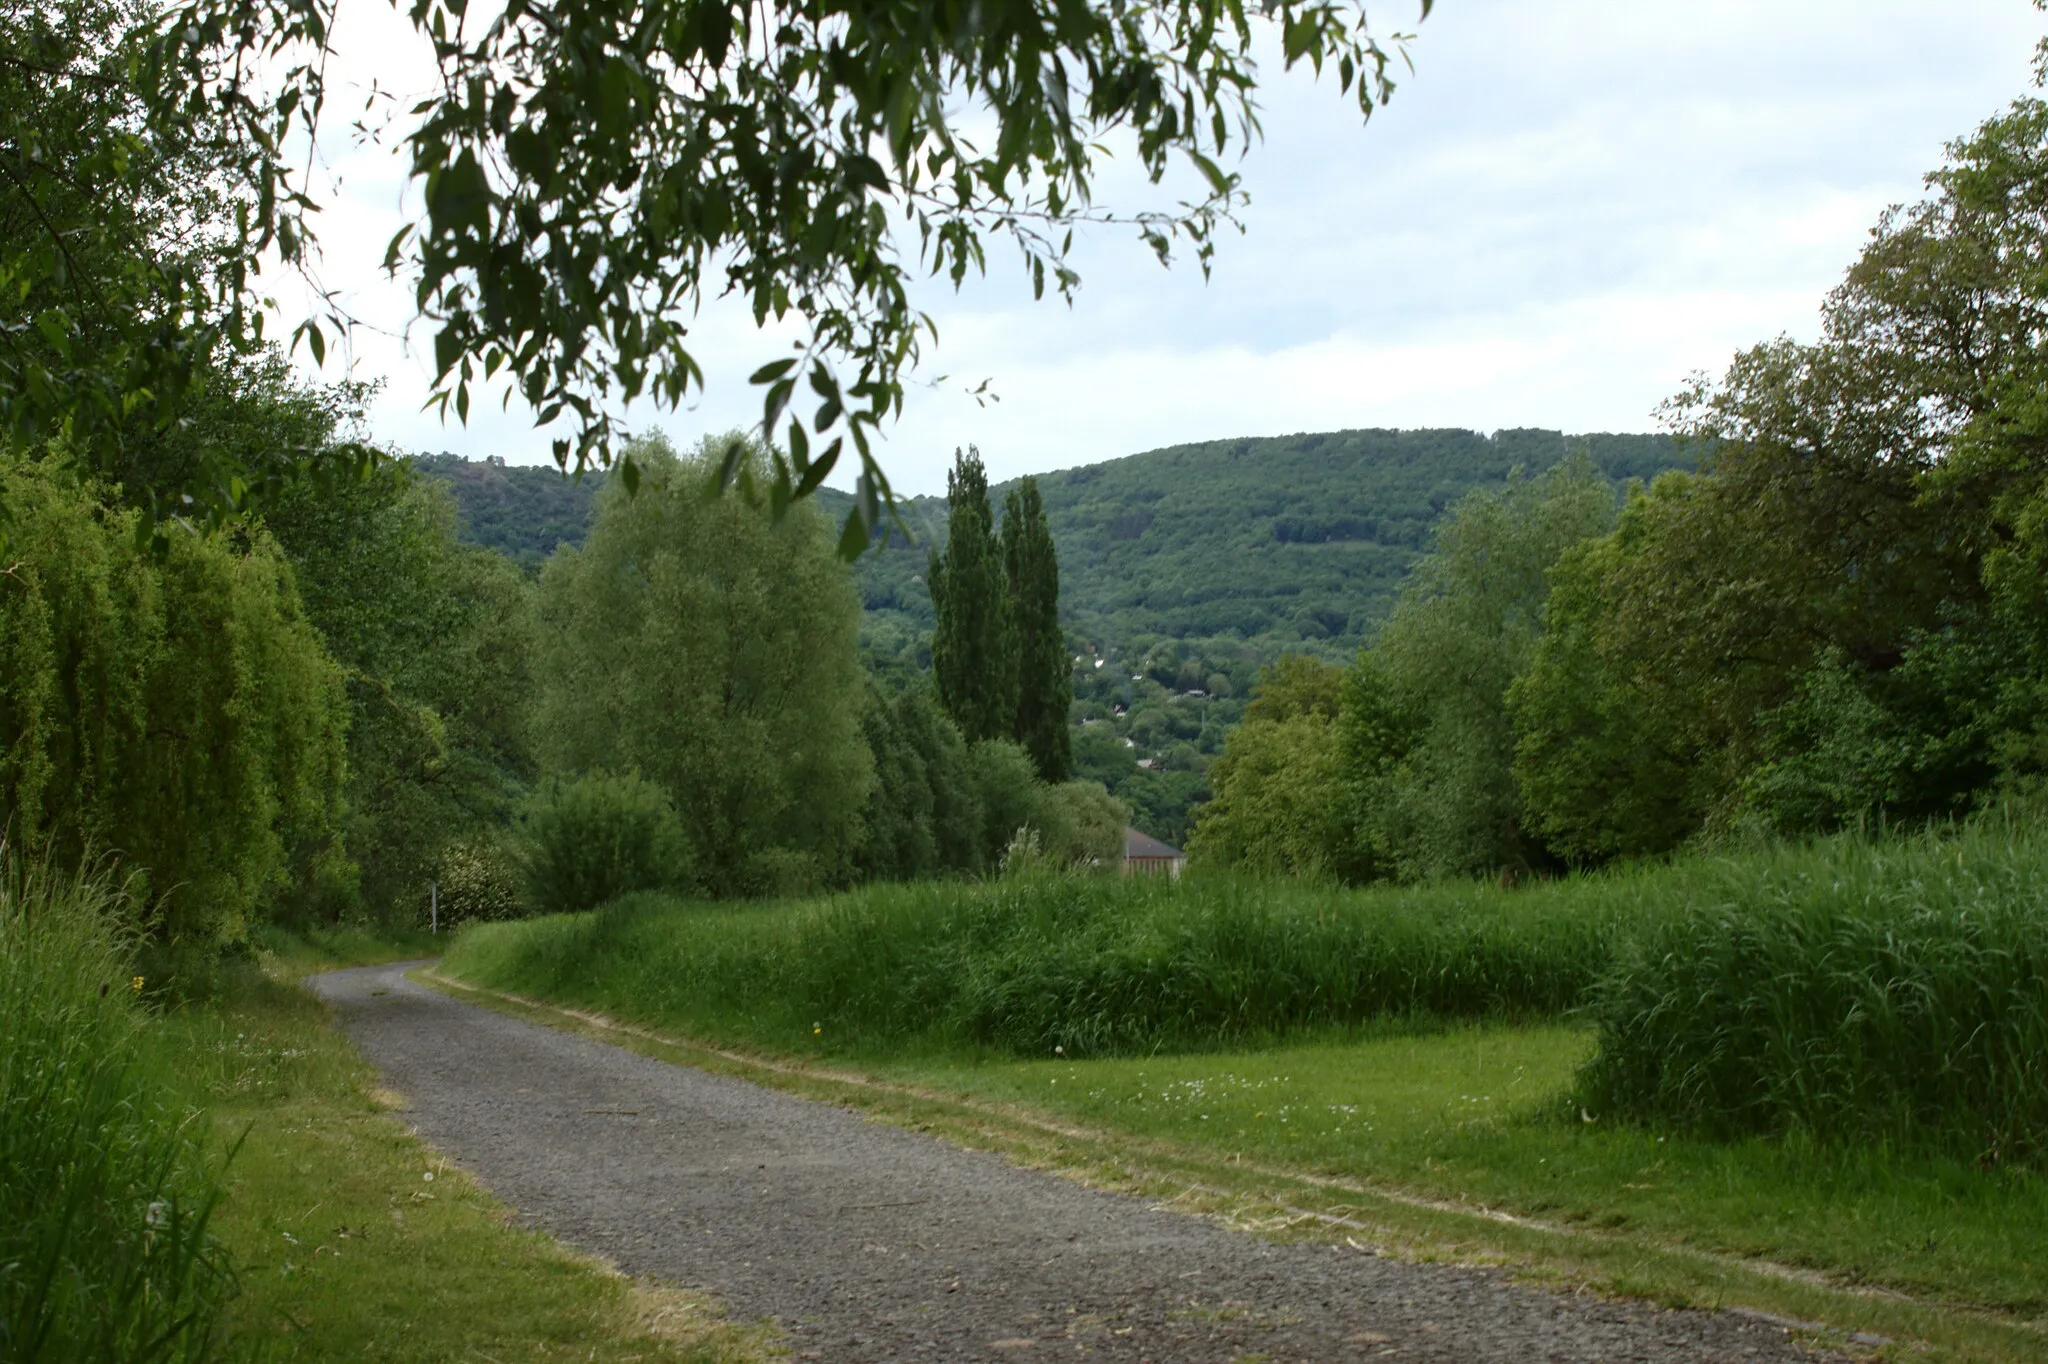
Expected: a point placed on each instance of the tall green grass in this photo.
(104, 1201)
(1853, 991)
(1086, 965)
(1850, 990)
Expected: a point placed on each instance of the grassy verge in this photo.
(1004, 1106)
(105, 1192)
(1472, 1116)
(354, 1240)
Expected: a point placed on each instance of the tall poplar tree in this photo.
(974, 646)
(1045, 686)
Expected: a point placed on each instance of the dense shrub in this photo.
(1853, 992)
(173, 709)
(923, 815)
(478, 881)
(583, 843)
(104, 1251)
(1080, 825)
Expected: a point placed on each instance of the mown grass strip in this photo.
(1271, 1198)
(356, 1240)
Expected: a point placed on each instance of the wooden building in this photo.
(1145, 855)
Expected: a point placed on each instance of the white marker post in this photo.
(434, 908)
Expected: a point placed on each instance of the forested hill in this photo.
(522, 510)
(1278, 542)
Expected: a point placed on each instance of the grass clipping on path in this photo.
(355, 1240)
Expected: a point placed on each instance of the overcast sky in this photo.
(1567, 208)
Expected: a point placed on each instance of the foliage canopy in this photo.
(592, 171)
(176, 711)
(710, 648)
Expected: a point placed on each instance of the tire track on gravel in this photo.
(866, 1242)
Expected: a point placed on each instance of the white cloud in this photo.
(1566, 209)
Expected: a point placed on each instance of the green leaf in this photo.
(854, 535)
(822, 466)
(729, 464)
(447, 350)
(1219, 183)
(866, 172)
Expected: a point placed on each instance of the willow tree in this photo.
(172, 711)
(710, 647)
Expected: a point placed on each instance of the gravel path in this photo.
(867, 1242)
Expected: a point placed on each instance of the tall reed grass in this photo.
(1853, 991)
(1088, 965)
(104, 1199)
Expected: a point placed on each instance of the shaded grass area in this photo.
(353, 1240)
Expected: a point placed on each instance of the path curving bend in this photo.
(867, 1242)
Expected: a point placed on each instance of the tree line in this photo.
(1839, 621)
(312, 714)
(1182, 571)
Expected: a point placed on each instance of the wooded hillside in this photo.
(1278, 542)
(1182, 571)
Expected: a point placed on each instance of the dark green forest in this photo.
(522, 511)
(1282, 543)
(1183, 571)
(1278, 542)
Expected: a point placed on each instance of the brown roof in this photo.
(1144, 845)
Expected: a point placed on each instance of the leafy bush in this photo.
(923, 815)
(1854, 991)
(1080, 825)
(582, 843)
(104, 1249)
(478, 882)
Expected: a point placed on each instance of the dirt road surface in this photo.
(866, 1242)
